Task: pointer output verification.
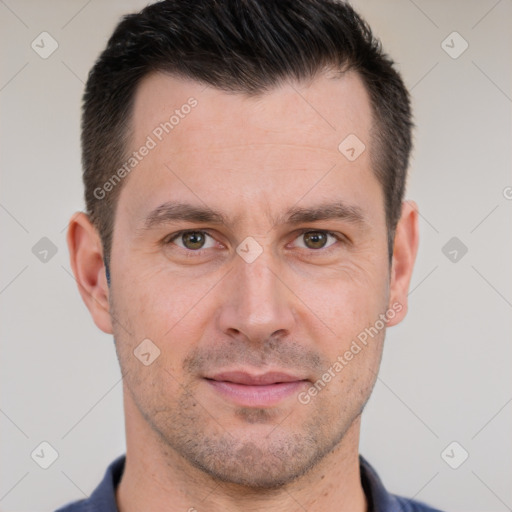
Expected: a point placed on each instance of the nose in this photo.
(257, 305)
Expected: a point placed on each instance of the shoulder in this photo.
(76, 506)
(103, 498)
(403, 504)
(380, 500)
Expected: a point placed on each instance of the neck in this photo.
(156, 478)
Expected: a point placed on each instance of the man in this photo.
(247, 244)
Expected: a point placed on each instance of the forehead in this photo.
(207, 143)
(318, 114)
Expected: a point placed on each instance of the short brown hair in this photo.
(245, 46)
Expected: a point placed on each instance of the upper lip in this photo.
(241, 377)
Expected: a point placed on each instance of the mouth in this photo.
(252, 390)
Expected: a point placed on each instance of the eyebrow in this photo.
(175, 211)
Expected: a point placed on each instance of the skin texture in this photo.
(296, 308)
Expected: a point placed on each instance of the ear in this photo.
(405, 248)
(86, 257)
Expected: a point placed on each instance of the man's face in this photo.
(243, 335)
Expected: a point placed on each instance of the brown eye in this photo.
(192, 240)
(315, 239)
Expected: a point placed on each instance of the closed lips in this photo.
(238, 377)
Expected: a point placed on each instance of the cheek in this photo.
(149, 323)
(170, 310)
(158, 300)
(346, 301)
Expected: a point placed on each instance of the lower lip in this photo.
(257, 396)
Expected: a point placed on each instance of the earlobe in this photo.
(86, 257)
(404, 255)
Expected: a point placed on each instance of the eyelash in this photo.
(199, 252)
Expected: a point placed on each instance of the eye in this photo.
(316, 240)
(197, 241)
(192, 240)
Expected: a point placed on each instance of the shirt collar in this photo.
(379, 500)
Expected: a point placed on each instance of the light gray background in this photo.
(446, 370)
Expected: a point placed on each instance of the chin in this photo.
(273, 461)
